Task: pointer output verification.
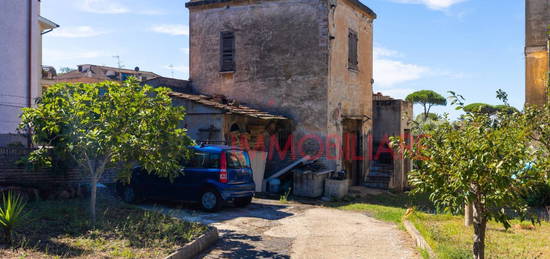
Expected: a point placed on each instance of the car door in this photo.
(204, 167)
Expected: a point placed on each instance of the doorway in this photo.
(352, 145)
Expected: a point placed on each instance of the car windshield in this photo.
(237, 159)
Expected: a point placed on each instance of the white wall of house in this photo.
(15, 22)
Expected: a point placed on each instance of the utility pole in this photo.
(117, 57)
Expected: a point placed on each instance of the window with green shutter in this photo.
(227, 51)
(352, 50)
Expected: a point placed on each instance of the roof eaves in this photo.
(364, 7)
(229, 109)
(49, 24)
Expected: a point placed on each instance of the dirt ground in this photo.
(270, 229)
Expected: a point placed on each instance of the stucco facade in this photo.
(537, 51)
(291, 59)
(20, 69)
(392, 118)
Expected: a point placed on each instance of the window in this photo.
(352, 50)
(227, 51)
(237, 160)
(203, 160)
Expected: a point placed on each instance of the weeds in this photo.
(63, 229)
(11, 214)
(284, 197)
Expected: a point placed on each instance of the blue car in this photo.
(213, 176)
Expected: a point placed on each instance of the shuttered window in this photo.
(227, 51)
(352, 50)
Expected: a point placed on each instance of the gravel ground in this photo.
(270, 229)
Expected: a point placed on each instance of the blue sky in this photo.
(473, 47)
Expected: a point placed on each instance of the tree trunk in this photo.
(468, 214)
(93, 199)
(480, 226)
(425, 113)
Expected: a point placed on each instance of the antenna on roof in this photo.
(118, 61)
(171, 69)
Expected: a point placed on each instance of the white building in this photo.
(21, 29)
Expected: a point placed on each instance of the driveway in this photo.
(270, 229)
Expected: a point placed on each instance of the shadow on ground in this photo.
(236, 245)
(190, 212)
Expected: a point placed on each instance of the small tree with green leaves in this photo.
(426, 98)
(109, 124)
(479, 160)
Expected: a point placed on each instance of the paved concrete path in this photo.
(269, 229)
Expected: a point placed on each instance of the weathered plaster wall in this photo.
(536, 77)
(14, 68)
(536, 50)
(350, 91)
(391, 118)
(281, 57)
(199, 117)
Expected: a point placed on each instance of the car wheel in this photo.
(243, 202)
(211, 200)
(129, 195)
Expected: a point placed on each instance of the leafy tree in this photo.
(427, 99)
(480, 107)
(65, 70)
(505, 108)
(431, 116)
(488, 108)
(109, 124)
(480, 160)
(538, 118)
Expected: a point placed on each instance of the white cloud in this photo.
(388, 73)
(52, 55)
(103, 7)
(76, 32)
(185, 50)
(171, 29)
(432, 4)
(380, 52)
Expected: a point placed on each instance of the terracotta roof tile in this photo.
(228, 108)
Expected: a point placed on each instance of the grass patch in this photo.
(388, 207)
(57, 229)
(384, 213)
(447, 234)
(451, 239)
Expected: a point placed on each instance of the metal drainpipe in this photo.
(30, 63)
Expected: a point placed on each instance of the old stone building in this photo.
(392, 118)
(306, 60)
(537, 49)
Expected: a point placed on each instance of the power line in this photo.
(12, 105)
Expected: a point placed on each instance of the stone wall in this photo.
(391, 118)
(280, 54)
(536, 51)
(291, 59)
(350, 90)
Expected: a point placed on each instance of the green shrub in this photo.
(11, 214)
